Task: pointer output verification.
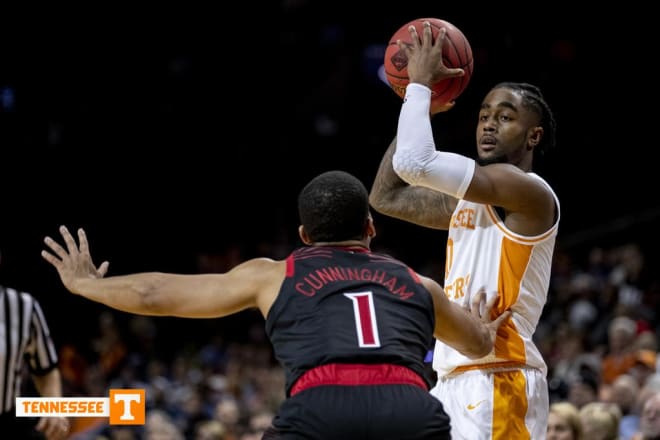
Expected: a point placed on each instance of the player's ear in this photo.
(534, 137)
(371, 228)
(303, 235)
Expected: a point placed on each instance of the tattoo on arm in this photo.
(393, 197)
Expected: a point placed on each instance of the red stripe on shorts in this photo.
(358, 374)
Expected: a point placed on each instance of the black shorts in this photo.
(340, 412)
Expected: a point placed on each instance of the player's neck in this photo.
(348, 244)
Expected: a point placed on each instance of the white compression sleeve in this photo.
(416, 161)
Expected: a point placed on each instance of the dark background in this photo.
(184, 130)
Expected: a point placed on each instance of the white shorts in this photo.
(496, 405)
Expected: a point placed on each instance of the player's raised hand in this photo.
(73, 262)
(425, 63)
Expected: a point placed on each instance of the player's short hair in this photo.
(334, 206)
(534, 100)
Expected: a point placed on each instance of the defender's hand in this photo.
(482, 310)
(74, 262)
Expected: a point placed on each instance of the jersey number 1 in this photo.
(365, 318)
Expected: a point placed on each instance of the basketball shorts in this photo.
(495, 405)
(384, 412)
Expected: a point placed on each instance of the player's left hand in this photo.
(74, 262)
(481, 308)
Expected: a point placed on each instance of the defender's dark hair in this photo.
(533, 100)
(334, 206)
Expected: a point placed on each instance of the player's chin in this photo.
(490, 157)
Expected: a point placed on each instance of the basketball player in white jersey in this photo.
(502, 222)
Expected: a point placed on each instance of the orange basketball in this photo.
(456, 52)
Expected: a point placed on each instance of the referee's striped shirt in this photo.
(24, 338)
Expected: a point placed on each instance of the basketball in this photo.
(456, 52)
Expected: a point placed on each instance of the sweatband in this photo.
(415, 160)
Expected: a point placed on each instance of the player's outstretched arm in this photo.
(251, 284)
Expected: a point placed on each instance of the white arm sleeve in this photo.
(416, 161)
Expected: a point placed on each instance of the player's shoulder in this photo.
(386, 258)
(262, 270)
(539, 178)
(543, 183)
(264, 263)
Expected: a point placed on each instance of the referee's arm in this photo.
(49, 384)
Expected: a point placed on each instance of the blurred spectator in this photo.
(109, 346)
(651, 387)
(583, 389)
(600, 421)
(228, 413)
(627, 276)
(261, 421)
(621, 355)
(191, 413)
(582, 312)
(647, 340)
(114, 433)
(564, 422)
(649, 424)
(159, 426)
(624, 392)
(569, 360)
(644, 366)
(210, 430)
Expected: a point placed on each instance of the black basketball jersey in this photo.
(341, 305)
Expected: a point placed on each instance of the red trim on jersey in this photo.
(289, 266)
(357, 249)
(357, 374)
(415, 276)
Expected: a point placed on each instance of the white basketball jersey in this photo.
(482, 252)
